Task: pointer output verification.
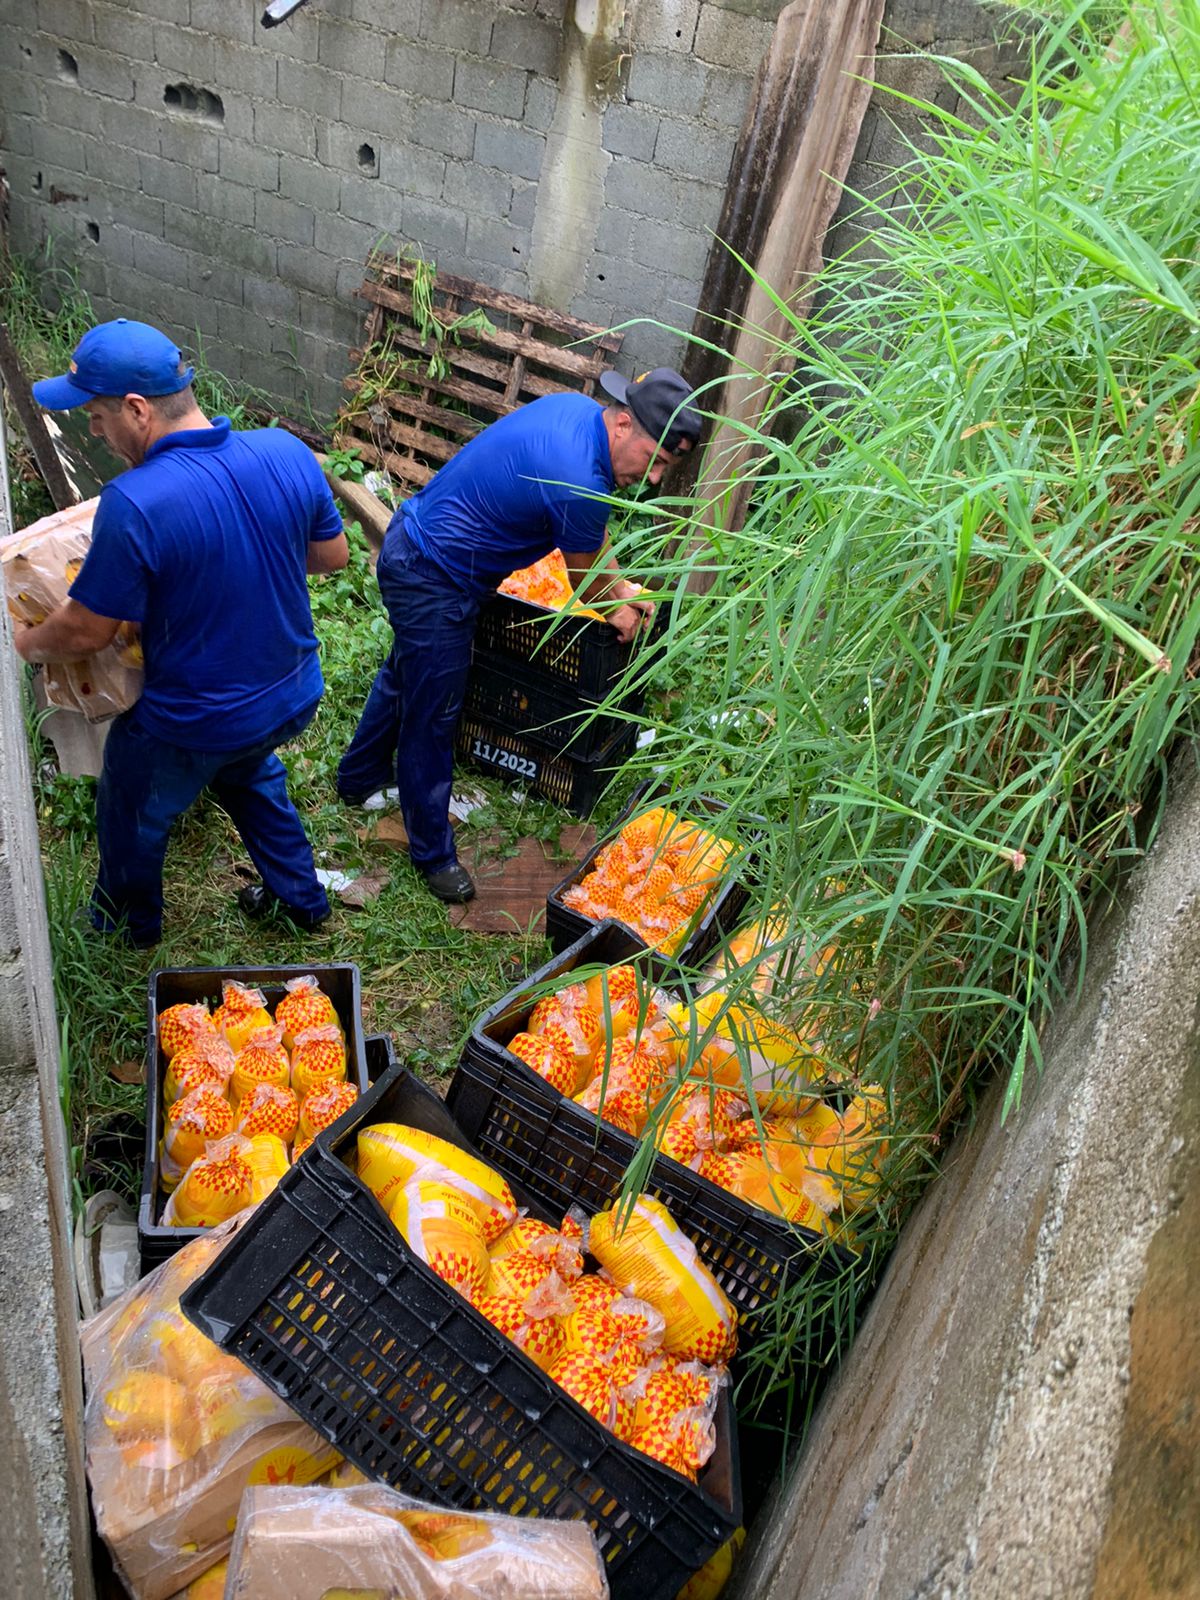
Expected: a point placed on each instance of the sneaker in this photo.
(452, 884)
(378, 800)
(256, 901)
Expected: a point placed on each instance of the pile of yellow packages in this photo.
(175, 1429)
(243, 1094)
(546, 583)
(630, 1054)
(657, 876)
(642, 1345)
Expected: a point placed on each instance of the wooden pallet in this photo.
(411, 428)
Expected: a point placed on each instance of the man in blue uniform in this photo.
(205, 542)
(524, 486)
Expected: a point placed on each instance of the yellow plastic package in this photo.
(182, 1024)
(241, 1014)
(374, 1544)
(741, 1048)
(647, 1255)
(203, 1060)
(318, 1059)
(712, 1577)
(533, 1321)
(202, 1115)
(262, 1059)
(304, 1006)
(174, 1430)
(214, 1188)
(268, 1160)
(390, 1154)
(268, 1108)
(325, 1104)
(442, 1227)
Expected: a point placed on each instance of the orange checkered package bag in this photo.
(262, 1059)
(242, 1012)
(175, 1429)
(205, 1060)
(182, 1024)
(324, 1105)
(441, 1227)
(391, 1154)
(645, 1252)
(202, 1115)
(214, 1188)
(318, 1058)
(533, 1321)
(268, 1108)
(304, 1005)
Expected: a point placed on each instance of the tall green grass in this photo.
(952, 645)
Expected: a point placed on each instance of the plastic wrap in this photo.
(39, 565)
(305, 1005)
(318, 1058)
(390, 1154)
(216, 1186)
(440, 1225)
(369, 1541)
(241, 1014)
(174, 1429)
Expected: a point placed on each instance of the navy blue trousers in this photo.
(146, 784)
(406, 732)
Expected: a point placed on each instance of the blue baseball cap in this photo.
(117, 358)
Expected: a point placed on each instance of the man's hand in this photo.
(72, 633)
(630, 619)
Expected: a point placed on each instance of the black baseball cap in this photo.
(659, 401)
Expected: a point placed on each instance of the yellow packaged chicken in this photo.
(391, 1153)
(262, 1059)
(318, 1059)
(214, 1188)
(184, 1024)
(203, 1060)
(175, 1429)
(304, 1006)
(441, 1226)
(200, 1116)
(647, 1255)
(242, 1013)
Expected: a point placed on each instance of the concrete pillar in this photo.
(1019, 1414)
(44, 1537)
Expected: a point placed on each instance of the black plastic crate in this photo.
(579, 653)
(182, 985)
(720, 916)
(508, 696)
(564, 1155)
(570, 781)
(320, 1296)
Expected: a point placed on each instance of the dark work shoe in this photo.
(255, 900)
(452, 884)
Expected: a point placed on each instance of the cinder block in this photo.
(239, 247)
(435, 228)
(512, 150)
(651, 191)
(541, 102)
(419, 70)
(177, 11)
(238, 326)
(729, 40)
(60, 148)
(479, 190)
(304, 269)
(279, 127)
(667, 83)
(310, 88)
(497, 244)
(69, 107)
(398, 17)
(253, 71)
(105, 73)
(658, 26)
(131, 208)
(182, 140)
(591, 308)
(350, 273)
(614, 232)
(726, 96)
(630, 131)
(16, 135)
(283, 219)
(679, 251)
(647, 346)
(464, 26)
(371, 201)
(165, 263)
(412, 171)
(225, 19)
(556, 10)
(65, 19)
(111, 163)
(185, 51)
(116, 244)
(124, 32)
(368, 107)
(523, 207)
(328, 319)
(309, 184)
(244, 163)
(534, 43)
(169, 180)
(18, 93)
(695, 150)
(270, 299)
(130, 126)
(444, 128)
(489, 86)
(345, 238)
(214, 281)
(345, 47)
(224, 201)
(338, 146)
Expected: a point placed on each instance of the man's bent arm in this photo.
(608, 584)
(327, 555)
(68, 634)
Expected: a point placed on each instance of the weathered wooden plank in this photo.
(405, 470)
(481, 366)
(421, 410)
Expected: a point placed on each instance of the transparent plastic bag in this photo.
(174, 1429)
(370, 1541)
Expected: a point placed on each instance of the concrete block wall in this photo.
(227, 181)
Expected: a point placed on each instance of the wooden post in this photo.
(34, 424)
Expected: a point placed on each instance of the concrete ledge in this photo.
(1017, 1416)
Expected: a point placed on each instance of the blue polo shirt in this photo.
(204, 544)
(515, 492)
